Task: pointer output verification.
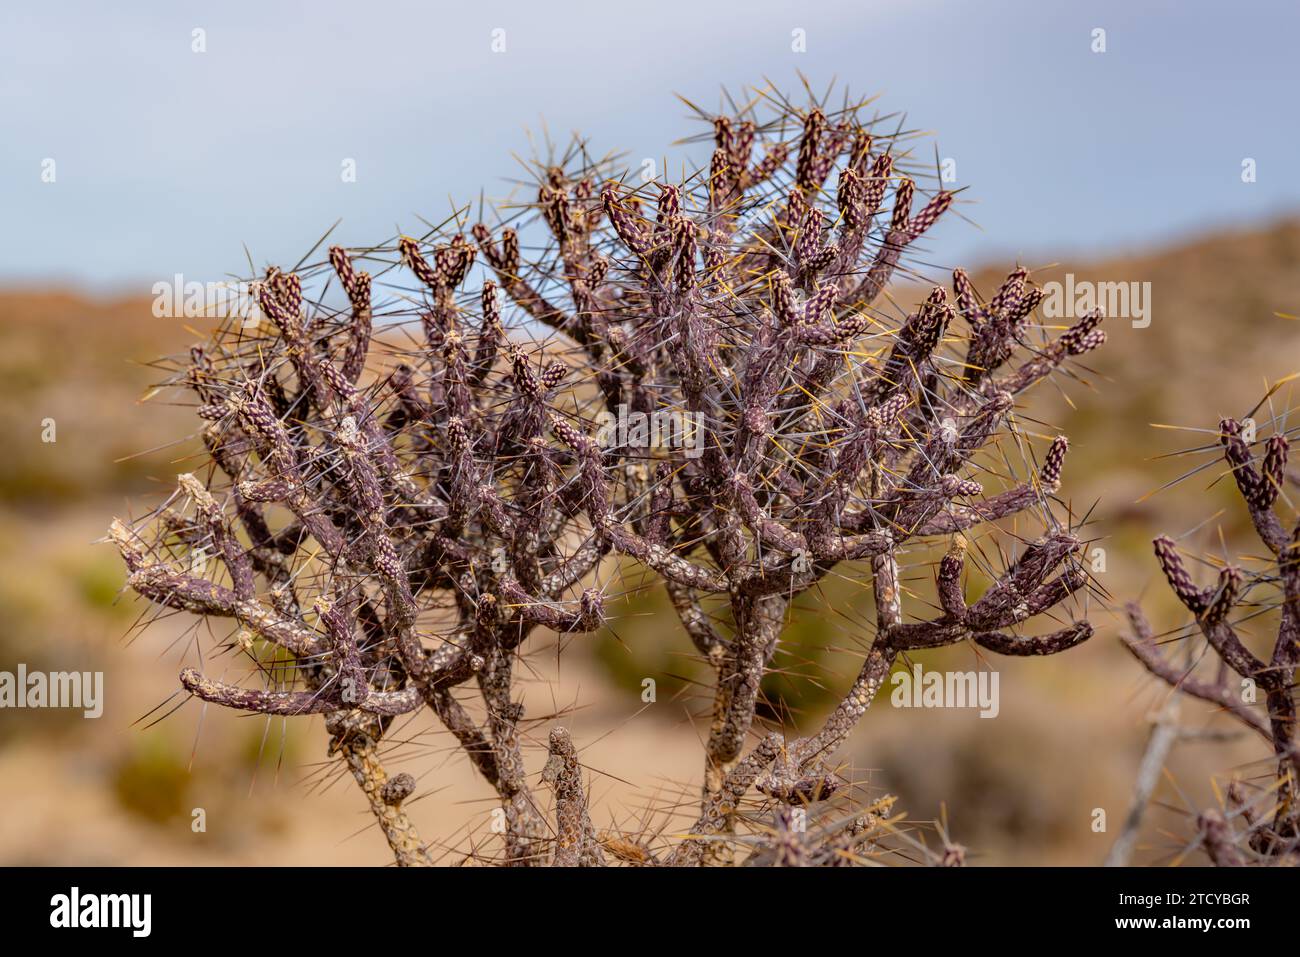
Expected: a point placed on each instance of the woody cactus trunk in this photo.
(405, 477)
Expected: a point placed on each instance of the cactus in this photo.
(1260, 822)
(402, 483)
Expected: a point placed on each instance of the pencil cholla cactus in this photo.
(402, 489)
(1259, 823)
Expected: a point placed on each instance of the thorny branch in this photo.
(1264, 827)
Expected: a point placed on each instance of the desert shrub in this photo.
(417, 461)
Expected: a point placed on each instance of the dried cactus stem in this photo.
(576, 844)
(361, 755)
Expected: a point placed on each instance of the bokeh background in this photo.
(1123, 165)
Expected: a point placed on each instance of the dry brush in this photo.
(406, 477)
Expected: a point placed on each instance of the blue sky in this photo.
(170, 161)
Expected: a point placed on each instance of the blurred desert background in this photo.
(1019, 789)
